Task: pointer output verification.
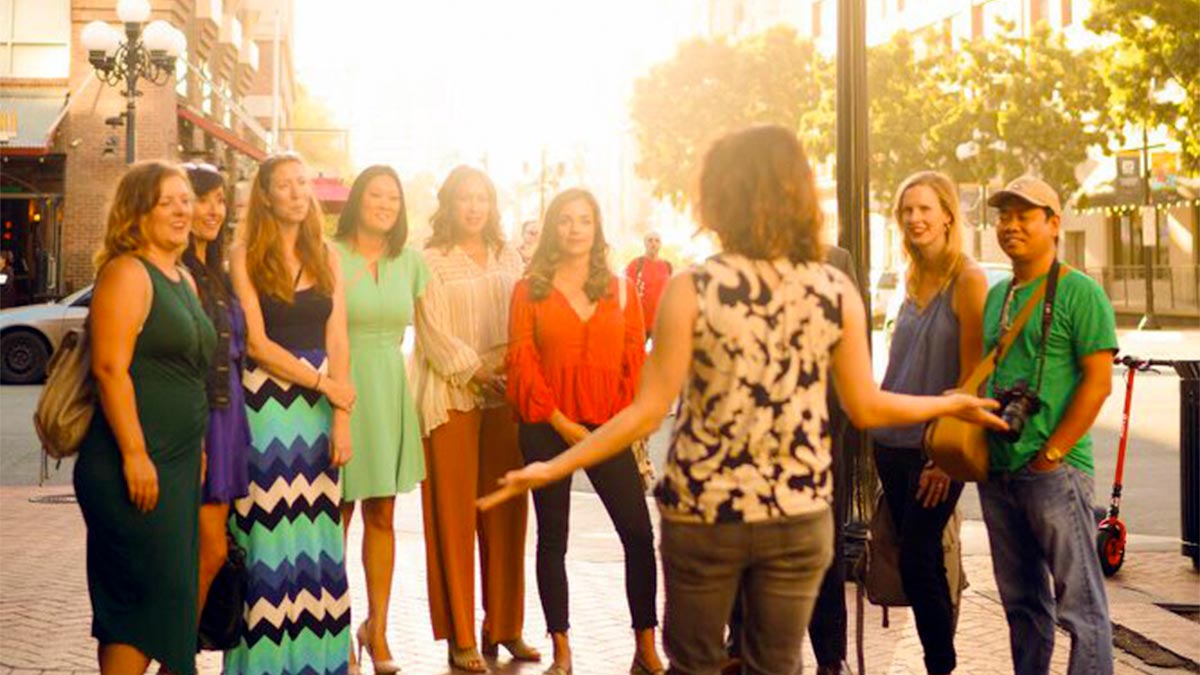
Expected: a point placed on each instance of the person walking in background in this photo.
(227, 441)
(576, 348)
(755, 332)
(299, 397)
(1037, 501)
(384, 278)
(649, 275)
(936, 343)
(470, 434)
(137, 476)
(530, 231)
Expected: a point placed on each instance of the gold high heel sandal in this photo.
(385, 667)
(518, 648)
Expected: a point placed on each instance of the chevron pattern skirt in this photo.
(297, 599)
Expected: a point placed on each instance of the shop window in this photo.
(35, 39)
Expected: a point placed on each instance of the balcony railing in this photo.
(1176, 288)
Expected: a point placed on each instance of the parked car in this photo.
(885, 284)
(30, 334)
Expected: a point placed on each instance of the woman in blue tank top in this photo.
(937, 340)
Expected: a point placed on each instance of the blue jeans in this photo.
(1041, 529)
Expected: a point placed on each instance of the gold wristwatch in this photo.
(1054, 454)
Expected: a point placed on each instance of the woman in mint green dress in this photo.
(383, 281)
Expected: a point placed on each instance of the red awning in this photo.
(223, 134)
(331, 193)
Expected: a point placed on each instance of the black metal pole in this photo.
(853, 192)
(1149, 320)
(853, 187)
(133, 32)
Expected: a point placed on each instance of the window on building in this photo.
(817, 9)
(899, 5)
(182, 75)
(1068, 15)
(1075, 249)
(35, 38)
(206, 90)
(1037, 12)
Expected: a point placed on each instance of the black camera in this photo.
(1017, 404)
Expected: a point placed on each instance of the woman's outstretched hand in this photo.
(975, 410)
(515, 483)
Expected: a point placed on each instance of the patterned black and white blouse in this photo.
(752, 439)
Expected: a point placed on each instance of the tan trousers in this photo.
(464, 459)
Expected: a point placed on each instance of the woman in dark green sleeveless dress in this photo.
(137, 477)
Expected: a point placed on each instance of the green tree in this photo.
(712, 86)
(322, 143)
(1157, 49)
(1026, 104)
(910, 105)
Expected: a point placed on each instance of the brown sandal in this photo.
(518, 648)
(466, 658)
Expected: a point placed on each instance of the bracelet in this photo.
(317, 386)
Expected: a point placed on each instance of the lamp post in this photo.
(142, 51)
(1149, 237)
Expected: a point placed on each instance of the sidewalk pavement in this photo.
(45, 616)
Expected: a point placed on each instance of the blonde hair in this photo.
(947, 196)
(137, 194)
(264, 254)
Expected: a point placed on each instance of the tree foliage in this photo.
(1029, 104)
(1156, 50)
(712, 86)
(323, 149)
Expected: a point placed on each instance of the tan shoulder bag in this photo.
(956, 446)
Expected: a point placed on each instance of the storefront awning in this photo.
(331, 193)
(223, 134)
(28, 121)
(1110, 195)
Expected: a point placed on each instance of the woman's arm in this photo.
(526, 387)
(120, 305)
(452, 359)
(662, 379)
(337, 348)
(266, 353)
(970, 294)
(868, 406)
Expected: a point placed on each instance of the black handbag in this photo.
(223, 619)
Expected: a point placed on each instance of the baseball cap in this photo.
(1029, 189)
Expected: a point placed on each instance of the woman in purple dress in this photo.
(228, 438)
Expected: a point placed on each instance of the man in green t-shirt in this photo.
(1037, 502)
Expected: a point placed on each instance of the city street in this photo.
(1152, 600)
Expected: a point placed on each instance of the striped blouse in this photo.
(461, 326)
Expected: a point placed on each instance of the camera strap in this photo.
(988, 365)
(1047, 319)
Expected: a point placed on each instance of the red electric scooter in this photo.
(1111, 535)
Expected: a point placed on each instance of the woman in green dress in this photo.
(383, 281)
(137, 478)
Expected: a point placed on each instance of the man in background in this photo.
(649, 275)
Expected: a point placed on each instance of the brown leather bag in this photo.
(956, 446)
(68, 401)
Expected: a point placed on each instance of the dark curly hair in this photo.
(444, 222)
(548, 254)
(758, 195)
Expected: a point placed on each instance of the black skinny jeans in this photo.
(922, 561)
(619, 486)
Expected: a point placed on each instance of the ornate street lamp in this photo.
(142, 51)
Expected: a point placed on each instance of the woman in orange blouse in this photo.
(574, 356)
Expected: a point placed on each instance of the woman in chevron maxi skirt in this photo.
(297, 400)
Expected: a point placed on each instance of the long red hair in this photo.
(264, 247)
